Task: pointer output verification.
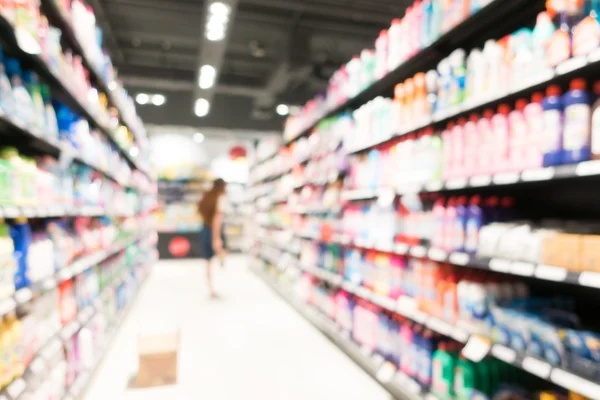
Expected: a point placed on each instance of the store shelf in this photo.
(59, 88)
(408, 308)
(429, 57)
(396, 383)
(26, 294)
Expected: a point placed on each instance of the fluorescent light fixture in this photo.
(215, 35)
(218, 8)
(134, 151)
(198, 137)
(207, 76)
(158, 99)
(283, 109)
(142, 98)
(201, 107)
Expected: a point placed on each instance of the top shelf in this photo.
(429, 57)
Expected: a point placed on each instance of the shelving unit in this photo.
(300, 219)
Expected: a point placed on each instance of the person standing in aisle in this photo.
(211, 208)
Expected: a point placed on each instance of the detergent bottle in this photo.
(576, 133)
(553, 118)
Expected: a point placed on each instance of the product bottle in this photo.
(472, 146)
(518, 136)
(381, 54)
(458, 77)
(426, 31)
(458, 147)
(559, 47)
(500, 126)
(20, 232)
(535, 131)
(449, 223)
(394, 45)
(15, 328)
(420, 98)
(553, 118)
(586, 34)
(542, 35)
(7, 101)
(576, 133)
(444, 363)
(5, 355)
(475, 221)
(427, 348)
(51, 122)
(466, 378)
(33, 87)
(460, 224)
(439, 213)
(23, 102)
(595, 128)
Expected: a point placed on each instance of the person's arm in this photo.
(217, 225)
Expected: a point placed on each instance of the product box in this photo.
(590, 253)
(568, 251)
(157, 359)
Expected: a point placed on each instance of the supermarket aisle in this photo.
(248, 345)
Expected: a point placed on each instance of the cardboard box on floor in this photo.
(157, 359)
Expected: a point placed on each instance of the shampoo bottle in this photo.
(576, 133)
(552, 117)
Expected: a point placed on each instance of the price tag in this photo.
(504, 353)
(571, 65)
(459, 258)
(537, 367)
(401, 248)
(437, 254)
(16, 388)
(588, 168)
(550, 273)
(11, 212)
(590, 279)
(418, 251)
(476, 348)
(384, 302)
(439, 326)
(23, 295)
(537, 174)
(480, 180)
(575, 383)
(28, 212)
(499, 265)
(419, 316)
(522, 268)
(456, 183)
(386, 373)
(459, 334)
(506, 178)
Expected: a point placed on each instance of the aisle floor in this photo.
(249, 344)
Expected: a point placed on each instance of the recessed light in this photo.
(201, 107)
(207, 76)
(142, 98)
(219, 8)
(283, 110)
(134, 151)
(112, 85)
(198, 137)
(158, 99)
(215, 35)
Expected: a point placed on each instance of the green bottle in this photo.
(466, 378)
(443, 366)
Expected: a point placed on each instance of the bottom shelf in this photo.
(396, 383)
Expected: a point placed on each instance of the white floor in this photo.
(248, 345)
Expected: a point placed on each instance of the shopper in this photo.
(212, 240)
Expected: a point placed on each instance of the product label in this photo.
(586, 36)
(472, 235)
(552, 128)
(577, 127)
(596, 131)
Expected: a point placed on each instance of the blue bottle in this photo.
(577, 125)
(475, 220)
(460, 224)
(64, 118)
(20, 232)
(552, 117)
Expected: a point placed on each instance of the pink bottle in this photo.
(408, 359)
(500, 150)
(448, 151)
(415, 33)
(381, 54)
(449, 224)
(439, 217)
(518, 136)
(472, 146)
(486, 135)
(458, 147)
(394, 44)
(533, 116)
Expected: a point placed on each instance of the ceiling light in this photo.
(158, 99)
(214, 35)
(282, 109)
(219, 8)
(112, 85)
(201, 107)
(142, 98)
(207, 76)
(198, 137)
(134, 151)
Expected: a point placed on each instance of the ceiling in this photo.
(276, 51)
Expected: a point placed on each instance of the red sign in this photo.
(179, 246)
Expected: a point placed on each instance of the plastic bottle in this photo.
(559, 47)
(426, 351)
(474, 84)
(417, 21)
(553, 118)
(595, 126)
(465, 378)
(535, 130)
(394, 45)
(7, 101)
(431, 80)
(472, 144)
(20, 232)
(449, 159)
(443, 366)
(500, 126)
(381, 54)
(23, 102)
(34, 89)
(576, 133)
(541, 36)
(518, 136)
(475, 220)
(51, 123)
(460, 224)
(449, 224)
(420, 98)
(426, 21)
(15, 328)
(458, 77)
(486, 139)
(586, 34)
(5, 355)
(458, 147)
